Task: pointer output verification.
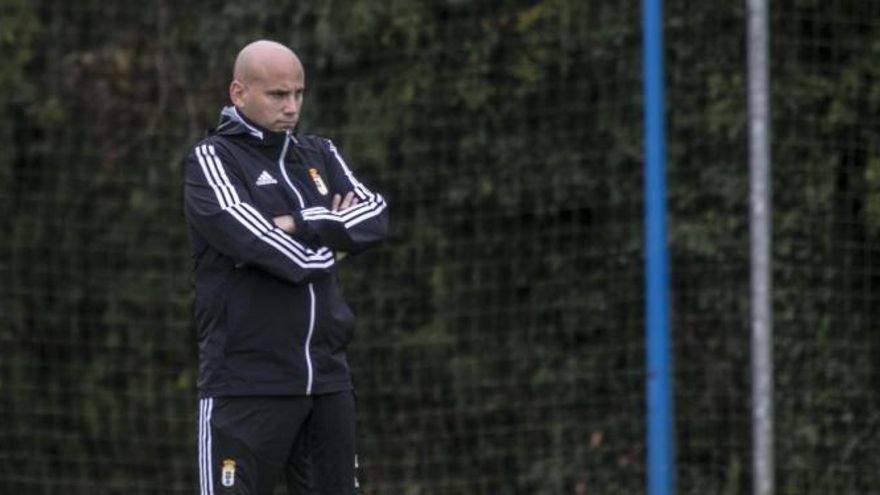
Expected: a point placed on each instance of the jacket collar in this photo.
(233, 122)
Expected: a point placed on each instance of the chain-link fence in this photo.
(500, 340)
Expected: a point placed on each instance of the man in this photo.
(270, 214)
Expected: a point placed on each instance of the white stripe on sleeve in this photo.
(251, 219)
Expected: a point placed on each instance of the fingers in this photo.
(347, 202)
(339, 203)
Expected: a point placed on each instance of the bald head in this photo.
(259, 56)
(268, 84)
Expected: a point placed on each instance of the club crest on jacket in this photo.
(319, 182)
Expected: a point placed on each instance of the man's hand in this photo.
(340, 203)
(285, 223)
(288, 225)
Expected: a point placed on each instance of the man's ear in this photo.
(236, 93)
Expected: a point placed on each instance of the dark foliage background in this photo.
(500, 341)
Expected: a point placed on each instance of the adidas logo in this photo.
(265, 179)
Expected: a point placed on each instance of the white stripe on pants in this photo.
(206, 475)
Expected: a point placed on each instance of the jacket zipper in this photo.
(312, 301)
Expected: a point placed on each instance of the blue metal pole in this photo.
(661, 458)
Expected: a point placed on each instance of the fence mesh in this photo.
(500, 338)
(826, 130)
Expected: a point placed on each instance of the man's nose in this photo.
(291, 105)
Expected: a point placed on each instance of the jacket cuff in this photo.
(303, 232)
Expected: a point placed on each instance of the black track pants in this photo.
(247, 443)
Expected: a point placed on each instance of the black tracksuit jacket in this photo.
(271, 318)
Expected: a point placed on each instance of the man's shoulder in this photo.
(217, 143)
(215, 149)
(312, 141)
(207, 139)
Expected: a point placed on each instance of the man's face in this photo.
(271, 96)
